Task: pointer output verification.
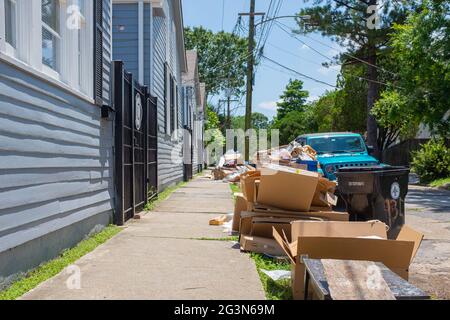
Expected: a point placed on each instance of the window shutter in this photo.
(98, 52)
(165, 97)
(172, 104)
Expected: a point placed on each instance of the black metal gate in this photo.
(188, 154)
(135, 145)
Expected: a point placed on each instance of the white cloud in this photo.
(304, 47)
(324, 70)
(268, 105)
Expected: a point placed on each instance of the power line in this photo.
(331, 47)
(349, 74)
(298, 73)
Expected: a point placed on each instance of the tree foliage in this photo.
(212, 128)
(421, 49)
(291, 126)
(293, 99)
(259, 121)
(222, 59)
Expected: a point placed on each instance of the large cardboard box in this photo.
(287, 188)
(239, 206)
(365, 241)
(248, 184)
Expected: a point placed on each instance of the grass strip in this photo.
(163, 196)
(275, 290)
(50, 269)
(233, 238)
(440, 182)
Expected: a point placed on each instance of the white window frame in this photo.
(28, 52)
(8, 48)
(62, 42)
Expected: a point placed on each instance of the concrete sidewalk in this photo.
(158, 257)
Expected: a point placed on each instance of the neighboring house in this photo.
(56, 163)
(148, 37)
(193, 100)
(200, 120)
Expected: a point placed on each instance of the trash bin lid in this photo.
(374, 169)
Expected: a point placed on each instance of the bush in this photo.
(432, 161)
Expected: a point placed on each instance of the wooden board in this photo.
(356, 280)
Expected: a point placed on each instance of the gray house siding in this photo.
(126, 41)
(56, 170)
(169, 173)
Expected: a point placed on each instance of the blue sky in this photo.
(270, 83)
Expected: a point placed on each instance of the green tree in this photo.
(352, 24)
(259, 121)
(395, 118)
(421, 49)
(293, 99)
(212, 127)
(222, 59)
(290, 126)
(350, 113)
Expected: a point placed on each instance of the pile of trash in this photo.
(293, 155)
(285, 211)
(231, 166)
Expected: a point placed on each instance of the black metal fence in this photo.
(136, 145)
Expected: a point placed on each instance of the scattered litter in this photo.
(218, 221)
(276, 275)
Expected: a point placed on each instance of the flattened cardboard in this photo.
(287, 188)
(239, 206)
(409, 234)
(340, 240)
(247, 219)
(324, 213)
(262, 226)
(260, 245)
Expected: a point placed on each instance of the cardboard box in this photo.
(239, 206)
(324, 213)
(287, 188)
(365, 241)
(248, 184)
(324, 195)
(248, 218)
(260, 245)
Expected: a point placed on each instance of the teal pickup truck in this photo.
(337, 150)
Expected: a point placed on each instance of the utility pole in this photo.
(250, 65)
(227, 112)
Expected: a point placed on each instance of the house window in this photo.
(51, 38)
(50, 33)
(80, 11)
(10, 23)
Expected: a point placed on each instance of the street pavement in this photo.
(428, 211)
(161, 256)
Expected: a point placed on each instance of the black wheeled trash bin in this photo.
(375, 193)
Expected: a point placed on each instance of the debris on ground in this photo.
(218, 221)
(277, 275)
